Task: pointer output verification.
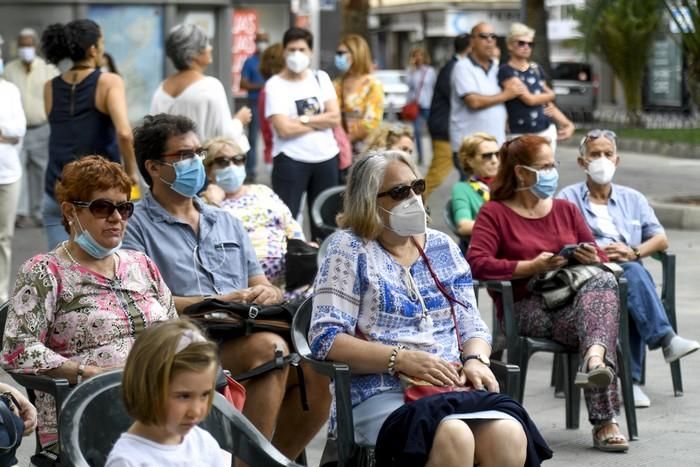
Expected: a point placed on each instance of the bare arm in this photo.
(511, 89)
(48, 97)
(259, 291)
(536, 99)
(465, 227)
(328, 119)
(287, 127)
(565, 127)
(69, 371)
(115, 104)
(248, 86)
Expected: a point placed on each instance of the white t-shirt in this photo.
(205, 103)
(198, 449)
(605, 220)
(12, 125)
(297, 98)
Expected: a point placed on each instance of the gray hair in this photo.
(29, 32)
(595, 134)
(360, 212)
(184, 42)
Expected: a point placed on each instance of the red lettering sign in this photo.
(245, 25)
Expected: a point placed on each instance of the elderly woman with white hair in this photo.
(191, 93)
(395, 300)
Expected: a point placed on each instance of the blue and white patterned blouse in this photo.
(361, 290)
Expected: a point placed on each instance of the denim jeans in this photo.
(417, 132)
(53, 222)
(649, 322)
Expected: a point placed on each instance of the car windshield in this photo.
(572, 71)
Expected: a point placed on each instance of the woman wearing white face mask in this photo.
(394, 297)
(265, 217)
(302, 107)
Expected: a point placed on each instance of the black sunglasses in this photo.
(224, 161)
(488, 35)
(488, 155)
(525, 43)
(102, 208)
(401, 192)
(341, 52)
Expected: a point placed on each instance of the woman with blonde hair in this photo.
(421, 82)
(360, 94)
(395, 136)
(478, 158)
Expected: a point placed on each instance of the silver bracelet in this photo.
(391, 367)
(81, 371)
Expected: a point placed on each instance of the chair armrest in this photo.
(57, 387)
(508, 377)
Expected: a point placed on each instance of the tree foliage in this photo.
(689, 27)
(536, 18)
(355, 14)
(621, 32)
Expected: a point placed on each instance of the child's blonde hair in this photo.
(386, 136)
(162, 350)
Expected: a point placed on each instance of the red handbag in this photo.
(409, 112)
(234, 392)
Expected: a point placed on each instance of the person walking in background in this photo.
(439, 119)
(360, 94)
(271, 63)
(108, 64)
(421, 81)
(12, 128)
(253, 81)
(191, 93)
(477, 99)
(86, 110)
(303, 109)
(29, 72)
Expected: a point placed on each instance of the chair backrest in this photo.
(4, 309)
(447, 217)
(94, 416)
(326, 207)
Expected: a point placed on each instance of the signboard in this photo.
(665, 77)
(245, 25)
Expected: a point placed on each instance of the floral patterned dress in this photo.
(363, 108)
(61, 310)
(269, 224)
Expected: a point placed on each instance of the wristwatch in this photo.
(482, 358)
(636, 252)
(304, 119)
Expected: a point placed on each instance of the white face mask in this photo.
(26, 54)
(601, 170)
(408, 217)
(298, 61)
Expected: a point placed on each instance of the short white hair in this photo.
(29, 32)
(519, 30)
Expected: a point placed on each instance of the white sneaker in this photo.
(641, 400)
(678, 348)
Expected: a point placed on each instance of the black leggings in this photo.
(290, 179)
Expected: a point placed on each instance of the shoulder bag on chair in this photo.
(301, 264)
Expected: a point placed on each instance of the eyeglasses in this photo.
(224, 161)
(341, 52)
(488, 155)
(524, 44)
(401, 192)
(545, 168)
(487, 35)
(185, 154)
(595, 134)
(103, 208)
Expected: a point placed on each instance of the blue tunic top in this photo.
(77, 127)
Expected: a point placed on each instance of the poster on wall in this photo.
(245, 25)
(133, 35)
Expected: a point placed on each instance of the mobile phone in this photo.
(568, 250)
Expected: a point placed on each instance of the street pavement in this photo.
(668, 430)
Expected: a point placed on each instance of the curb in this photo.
(649, 146)
(676, 215)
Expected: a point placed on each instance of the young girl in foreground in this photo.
(168, 389)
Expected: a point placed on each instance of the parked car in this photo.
(576, 89)
(395, 85)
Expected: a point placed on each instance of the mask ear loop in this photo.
(196, 261)
(537, 179)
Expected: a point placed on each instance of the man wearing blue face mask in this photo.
(203, 252)
(626, 228)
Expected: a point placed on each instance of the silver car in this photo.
(395, 85)
(576, 89)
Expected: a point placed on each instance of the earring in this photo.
(70, 222)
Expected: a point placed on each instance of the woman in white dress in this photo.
(191, 93)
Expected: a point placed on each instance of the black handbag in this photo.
(11, 430)
(301, 264)
(226, 320)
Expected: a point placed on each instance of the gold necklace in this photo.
(75, 261)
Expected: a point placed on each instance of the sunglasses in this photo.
(525, 43)
(102, 208)
(341, 52)
(488, 35)
(187, 154)
(224, 161)
(488, 155)
(401, 192)
(595, 134)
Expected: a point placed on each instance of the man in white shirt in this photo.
(29, 72)
(477, 101)
(12, 128)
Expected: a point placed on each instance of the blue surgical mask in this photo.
(189, 176)
(90, 246)
(231, 178)
(546, 184)
(342, 63)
